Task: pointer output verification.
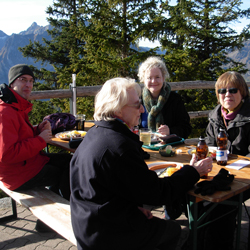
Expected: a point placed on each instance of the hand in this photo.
(164, 130)
(44, 125)
(203, 166)
(146, 212)
(193, 160)
(46, 135)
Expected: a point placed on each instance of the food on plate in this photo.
(72, 134)
(169, 171)
(211, 153)
(172, 170)
(161, 166)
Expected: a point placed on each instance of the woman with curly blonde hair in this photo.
(164, 109)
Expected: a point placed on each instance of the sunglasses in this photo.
(231, 91)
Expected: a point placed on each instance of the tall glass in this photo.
(80, 119)
(145, 136)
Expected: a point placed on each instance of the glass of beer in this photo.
(80, 119)
(145, 136)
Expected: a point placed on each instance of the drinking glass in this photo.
(80, 119)
(145, 136)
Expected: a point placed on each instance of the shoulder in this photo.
(216, 112)
(175, 97)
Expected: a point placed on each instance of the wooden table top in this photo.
(64, 144)
(241, 180)
(240, 183)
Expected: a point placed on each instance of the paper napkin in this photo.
(237, 165)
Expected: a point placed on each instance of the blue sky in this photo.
(18, 15)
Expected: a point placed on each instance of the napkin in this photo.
(237, 165)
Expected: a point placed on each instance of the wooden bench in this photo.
(47, 206)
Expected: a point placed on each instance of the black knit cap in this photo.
(19, 70)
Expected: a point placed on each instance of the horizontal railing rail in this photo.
(87, 91)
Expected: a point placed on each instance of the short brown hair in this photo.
(236, 80)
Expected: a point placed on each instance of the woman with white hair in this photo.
(164, 109)
(110, 180)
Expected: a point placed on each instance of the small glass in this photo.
(80, 119)
(145, 136)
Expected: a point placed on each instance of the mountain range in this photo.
(10, 55)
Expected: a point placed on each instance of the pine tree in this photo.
(198, 48)
(97, 40)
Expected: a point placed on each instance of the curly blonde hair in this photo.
(152, 62)
(113, 96)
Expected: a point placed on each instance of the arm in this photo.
(17, 139)
(176, 117)
(138, 184)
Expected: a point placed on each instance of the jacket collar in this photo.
(9, 97)
(243, 115)
(118, 127)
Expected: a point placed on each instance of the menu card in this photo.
(237, 165)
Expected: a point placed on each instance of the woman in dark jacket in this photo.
(232, 113)
(164, 109)
(110, 180)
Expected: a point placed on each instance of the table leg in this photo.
(237, 245)
(192, 217)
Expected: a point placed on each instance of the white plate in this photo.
(70, 134)
(163, 163)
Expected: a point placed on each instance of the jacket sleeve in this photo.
(210, 135)
(17, 139)
(181, 126)
(137, 183)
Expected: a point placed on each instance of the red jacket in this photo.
(20, 146)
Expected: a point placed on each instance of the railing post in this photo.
(72, 100)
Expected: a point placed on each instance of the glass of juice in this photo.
(145, 136)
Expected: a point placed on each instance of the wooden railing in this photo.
(92, 90)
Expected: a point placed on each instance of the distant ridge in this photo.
(10, 55)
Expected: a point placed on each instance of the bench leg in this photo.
(14, 212)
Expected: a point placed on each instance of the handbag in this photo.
(60, 122)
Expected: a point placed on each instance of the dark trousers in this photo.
(161, 235)
(54, 174)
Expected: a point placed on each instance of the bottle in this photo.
(221, 152)
(201, 148)
(136, 130)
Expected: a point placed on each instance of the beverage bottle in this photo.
(201, 148)
(221, 152)
(136, 130)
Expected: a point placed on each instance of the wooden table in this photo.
(240, 184)
(65, 144)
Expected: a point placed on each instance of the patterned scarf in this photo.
(155, 117)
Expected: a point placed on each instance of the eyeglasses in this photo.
(25, 80)
(137, 106)
(231, 91)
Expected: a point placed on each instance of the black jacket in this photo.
(238, 130)
(175, 116)
(109, 180)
